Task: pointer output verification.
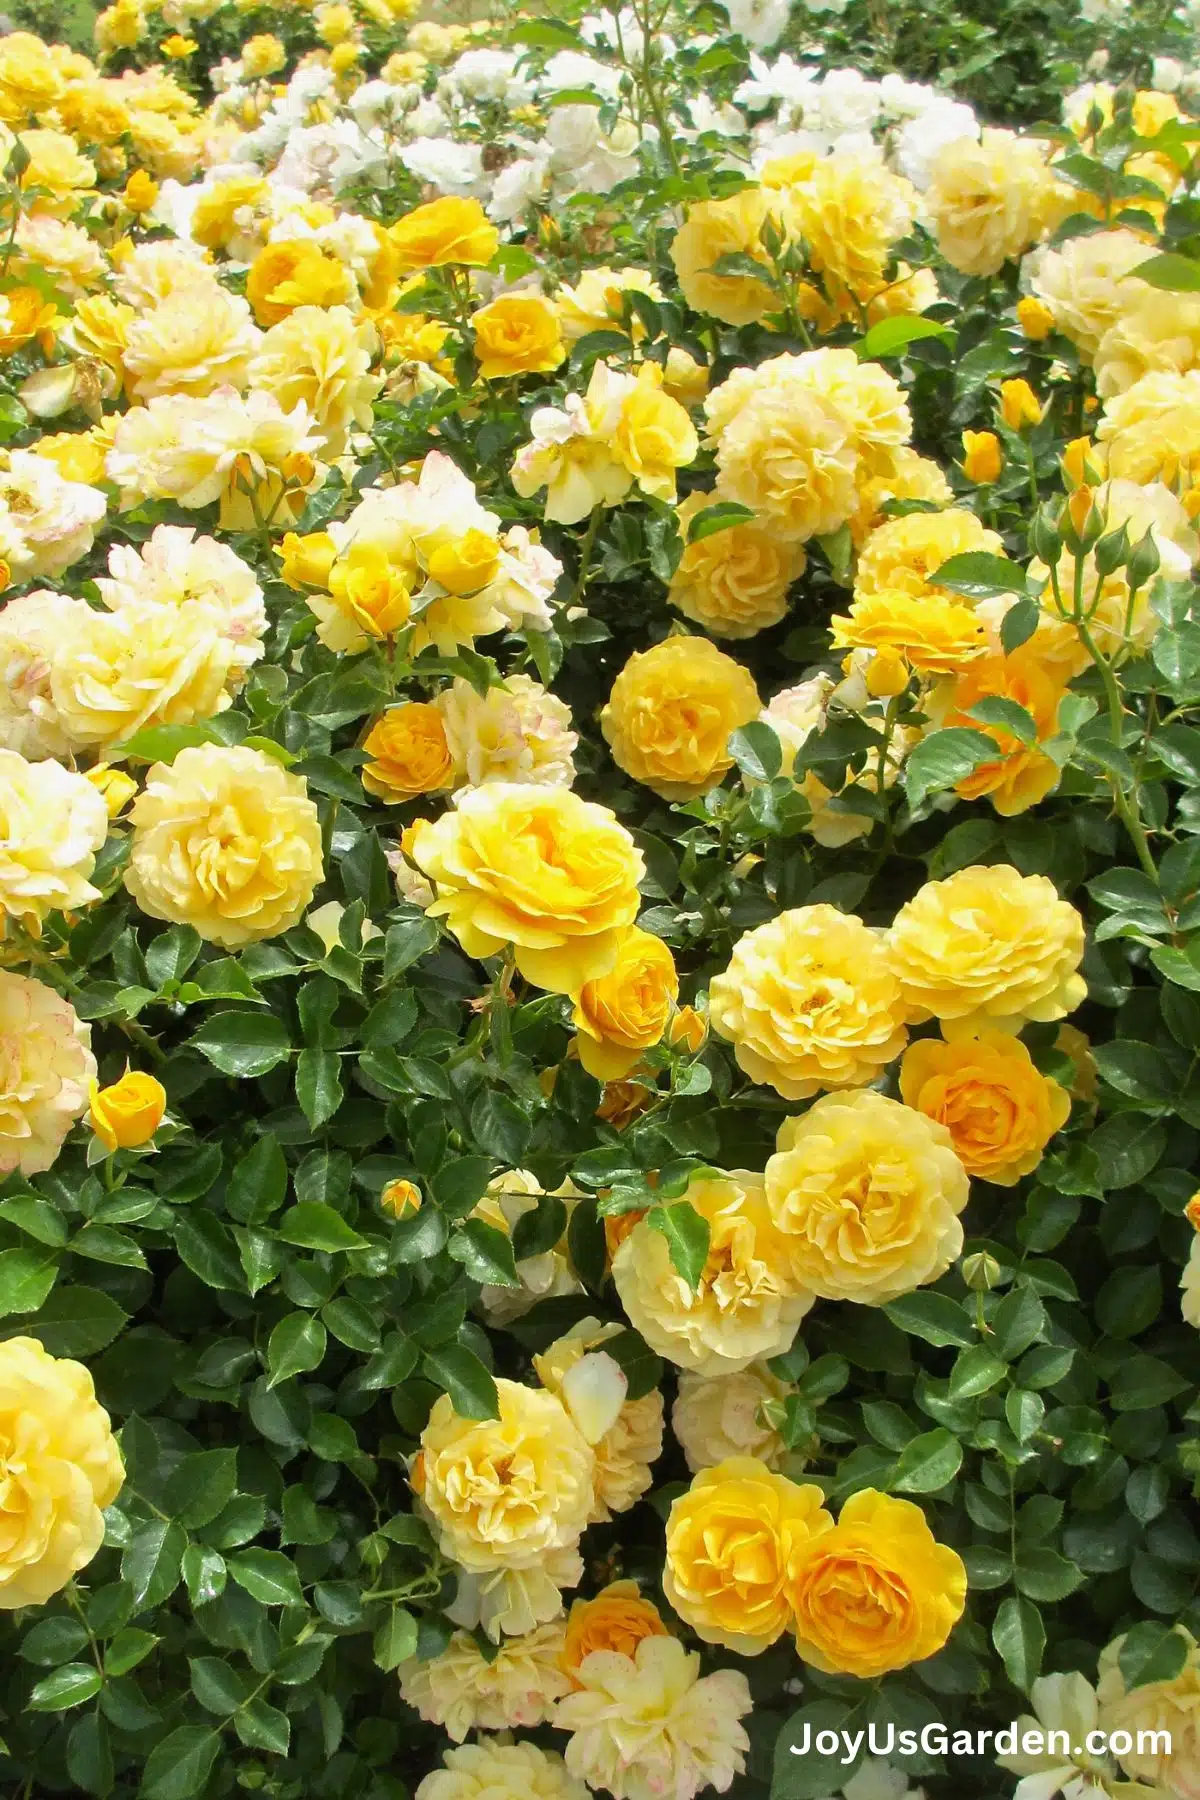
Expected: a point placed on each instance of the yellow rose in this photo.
(115, 672)
(1035, 318)
(809, 1001)
(671, 712)
(369, 598)
(538, 868)
(194, 342)
(52, 823)
(717, 228)
(982, 457)
(746, 1306)
(865, 1194)
(491, 1770)
(409, 754)
(449, 230)
(616, 1620)
(505, 1492)
(466, 564)
(215, 221)
(726, 1416)
(989, 201)
(263, 55)
(61, 1468)
(401, 1199)
(56, 169)
(1170, 1708)
(1084, 286)
(619, 1015)
(733, 582)
(26, 314)
(597, 302)
(114, 786)
(904, 554)
(128, 1113)
(653, 435)
(518, 334)
(306, 561)
(1000, 1111)
(1152, 431)
(731, 1540)
(988, 946)
(626, 1435)
(45, 1052)
(226, 840)
(876, 1593)
(685, 379)
(931, 632)
(849, 212)
(292, 273)
(1021, 774)
(321, 356)
(140, 192)
(1152, 110)
(1019, 405)
(688, 1030)
(461, 1689)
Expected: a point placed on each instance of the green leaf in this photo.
(1140, 1382)
(927, 1463)
(1152, 1652)
(69, 1686)
(890, 336)
(201, 1487)
(688, 1236)
(756, 750)
(218, 1688)
(406, 943)
(208, 1249)
(501, 1127)
(975, 1372)
(314, 1226)
(261, 1726)
(1020, 1637)
(26, 1277)
(203, 1574)
(486, 1253)
(934, 1317)
(296, 1345)
(268, 1577)
(258, 1183)
(152, 1559)
(245, 1044)
(172, 954)
(162, 743)
(1044, 1575)
(53, 1640)
(979, 575)
(179, 1765)
(318, 1085)
(37, 1218)
(395, 1639)
(944, 758)
(1019, 624)
(460, 1373)
(461, 1184)
(711, 519)
(1170, 271)
(76, 1321)
(129, 1648)
(1006, 715)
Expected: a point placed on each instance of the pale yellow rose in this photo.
(505, 1492)
(1152, 431)
(464, 1691)
(596, 300)
(988, 946)
(876, 1593)
(62, 1468)
(1085, 283)
(496, 1771)
(1164, 1707)
(990, 200)
(626, 1435)
(865, 1194)
(725, 1415)
(717, 228)
(46, 1065)
(538, 868)
(115, 672)
(52, 823)
(999, 1109)
(1154, 333)
(653, 435)
(549, 1274)
(619, 1015)
(671, 713)
(734, 582)
(903, 555)
(746, 1305)
(193, 343)
(226, 840)
(810, 1001)
(321, 356)
(850, 212)
(518, 732)
(731, 1539)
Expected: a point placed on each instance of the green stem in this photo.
(585, 558)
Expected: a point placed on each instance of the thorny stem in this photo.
(585, 558)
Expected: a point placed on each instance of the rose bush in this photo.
(599, 902)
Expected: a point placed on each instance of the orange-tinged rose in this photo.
(449, 230)
(688, 1030)
(401, 1199)
(876, 1593)
(998, 1107)
(1021, 774)
(931, 632)
(518, 334)
(295, 273)
(129, 1112)
(618, 1226)
(617, 1619)
(409, 753)
(982, 458)
(619, 1015)
(731, 1540)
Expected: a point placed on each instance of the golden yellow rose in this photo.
(226, 840)
(865, 1194)
(518, 334)
(129, 1112)
(619, 1015)
(982, 457)
(930, 632)
(671, 712)
(1021, 773)
(731, 1540)
(61, 1468)
(850, 211)
(369, 598)
(292, 273)
(904, 554)
(809, 1001)
(449, 230)
(1161, 1720)
(733, 582)
(306, 561)
(999, 1109)
(538, 868)
(505, 1492)
(746, 1305)
(214, 221)
(464, 565)
(876, 1593)
(988, 946)
(654, 435)
(409, 754)
(617, 1619)
(717, 228)
(114, 787)
(1019, 405)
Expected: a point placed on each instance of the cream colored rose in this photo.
(196, 341)
(1085, 283)
(718, 1416)
(175, 568)
(1152, 430)
(46, 522)
(493, 1771)
(464, 1691)
(626, 1435)
(1154, 333)
(989, 200)
(227, 840)
(746, 1305)
(52, 823)
(671, 713)
(1170, 1707)
(546, 1276)
(61, 1468)
(731, 227)
(322, 355)
(30, 628)
(865, 1195)
(810, 1001)
(46, 1065)
(115, 672)
(519, 732)
(511, 1602)
(733, 582)
(505, 1493)
(988, 946)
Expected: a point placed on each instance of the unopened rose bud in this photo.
(982, 457)
(127, 1114)
(298, 469)
(1019, 405)
(1080, 522)
(1191, 1211)
(981, 1272)
(688, 1030)
(401, 1199)
(117, 787)
(1078, 464)
(1035, 319)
